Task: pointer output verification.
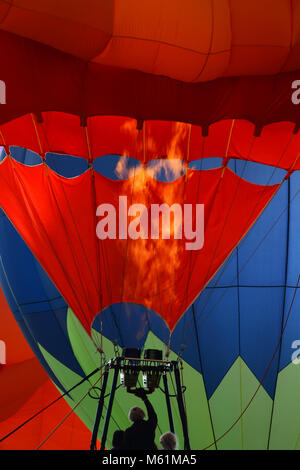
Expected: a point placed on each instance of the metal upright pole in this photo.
(99, 409)
(165, 380)
(181, 407)
(109, 408)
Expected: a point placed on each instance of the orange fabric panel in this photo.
(190, 41)
(160, 36)
(81, 28)
(75, 12)
(261, 36)
(196, 41)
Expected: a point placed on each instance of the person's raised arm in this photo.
(152, 417)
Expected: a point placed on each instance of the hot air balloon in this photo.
(207, 91)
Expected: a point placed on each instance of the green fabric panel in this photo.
(230, 400)
(200, 430)
(285, 431)
(86, 353)
(88, 357)
(226, 405)
(83, 347)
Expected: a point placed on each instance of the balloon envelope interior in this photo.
(114, 115)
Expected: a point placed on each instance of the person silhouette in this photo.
(168, 441)
(141, 434)
(117, 440)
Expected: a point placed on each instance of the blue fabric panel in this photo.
(66, 165)
(163, 169)
(158, 326)
(262, 253)
(50, 330)
(261, 312)
(256, 172)
(184, 340)
(128, 325)
(216, 326)
(27, 332)
(106, 165)
(30, 283)
(25, 156)
(291, 311)
(226, 275)
(206, 163)
(291, 326)
(124, 323)
(35, 302)
(218, 333)
(294, 232)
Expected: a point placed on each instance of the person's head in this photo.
(168, 441)
(117, 438)
(136, 414)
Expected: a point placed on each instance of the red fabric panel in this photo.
(12, 397)
(71, 435)
(45, 219)
(25, 389)
(21, 133)
(56, 218)
(277, 145)
(114, 135)
(61, 133)
(17, 348)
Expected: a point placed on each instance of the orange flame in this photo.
(157, 259)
